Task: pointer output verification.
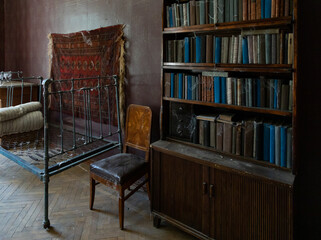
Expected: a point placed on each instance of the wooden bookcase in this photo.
(210, 193)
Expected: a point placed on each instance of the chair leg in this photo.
(92, 193)
(121, 202)
(148, 186)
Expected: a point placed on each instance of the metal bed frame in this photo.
(47, 89)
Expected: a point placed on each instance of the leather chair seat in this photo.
(118, 168)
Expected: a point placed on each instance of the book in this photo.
(266, 142)
(277, 8)
(180, 86)
(212, 124)
(210, 89)
(286, 8)
(217, 49)
(229, 117)
(267, 9)
(180, 50)
(238, 138)
(283, 144)
(219, 136)
(197, 13)
(187, 50)
(253, 9)
(198, 47)
(261, 49)
(273, 48)
(206, 129)
(263, 9)
(258, 9)
(248, 138)
(268, 52)
(250, 48)
(192, 9)
(244, 7)
(258, 92)
(167, 84)
(223, 90)
(239, 52)
(285, 97)
(235, 49)
(209, 48)
(224, 50)
(189, 87)
(226, 10)
(277, 145)
(239, 91)
(229, 92)
(195, 131)
(289, 147)
(272, 144)
(220, 11)
(235, 10)
(258, 140)
(211, 11)
(215, 11)
(172, 85)
(227, 137)
(290, 95)
(273, 8)
(202, 12)
(245, 50)
(230, 49)
(217, 90)
(207, 11)
(201, 132)
(255, 49)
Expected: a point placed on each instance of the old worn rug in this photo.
(98, 52)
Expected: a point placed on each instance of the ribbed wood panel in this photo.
(249, 208)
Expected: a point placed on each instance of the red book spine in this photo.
(244, 10)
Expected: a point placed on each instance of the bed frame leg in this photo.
(46, 222)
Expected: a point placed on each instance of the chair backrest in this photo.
(138, 128)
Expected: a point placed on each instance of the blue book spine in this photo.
(263, 9)
(223, 90)
(267, 13)
(170, 17)
(198, 50)
(283, 146)
(258, 92)
(275, 102)
(186, 55)
(172, 84)
(218, 41)
(266, 142)
(180, 85)
(189, 87)
(272, 144)
(217, 89)
(245, 50)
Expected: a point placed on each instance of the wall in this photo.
(28, 23)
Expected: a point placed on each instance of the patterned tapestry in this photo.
(98, 52)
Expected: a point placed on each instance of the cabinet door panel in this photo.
(249, 208)
(179, 189)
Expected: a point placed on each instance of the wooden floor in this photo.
(21, 209)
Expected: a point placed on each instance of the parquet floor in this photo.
(21, 209)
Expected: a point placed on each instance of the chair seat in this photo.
(118, 168)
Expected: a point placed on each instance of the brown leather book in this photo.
(281, 8)
(238, 139)
(253, 9)
(248, 137)
(209, 89)
(249, 9)
(281, 48)
(167, 84)
(277, 8)
(209, 49)
(219, 135)
(258, 9)
(239, 91)
(207, 11)
(273, 8)
(192, 9)
(244, 5)
(204, 88)
(201, 132)
(227, 137)
(286, 8)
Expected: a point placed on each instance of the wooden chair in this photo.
(120, 171)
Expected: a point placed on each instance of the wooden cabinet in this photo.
(192, 190)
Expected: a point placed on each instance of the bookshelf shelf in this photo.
(282, 22)
(232, 107)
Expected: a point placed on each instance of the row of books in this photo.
(265, 48)
(270, 142)
(219, 11)
(249, 92)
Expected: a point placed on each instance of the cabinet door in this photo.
(177, 190)
(249, 208)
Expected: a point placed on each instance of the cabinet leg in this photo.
(156, 222)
